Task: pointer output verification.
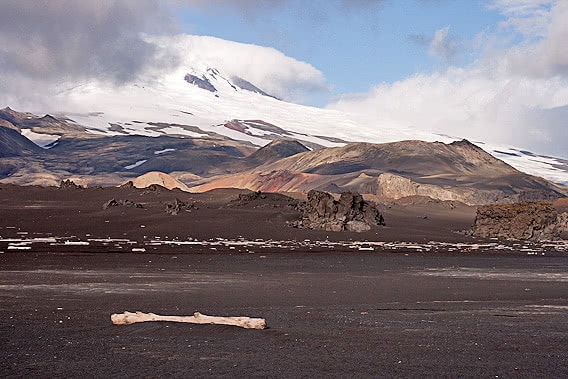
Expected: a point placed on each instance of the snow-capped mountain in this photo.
(195, 101)
(201, 101)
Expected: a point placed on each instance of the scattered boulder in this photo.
(68, 184)
(535, 221)
(121, 203)
(350, 213)
(110, 204)
(357, 226)
(177, 206)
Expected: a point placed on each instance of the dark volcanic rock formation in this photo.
(68, 184)
(177, 206)
(261, 199)
(534, 221)
(350, 213)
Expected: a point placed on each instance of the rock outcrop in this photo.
(395, 187)
(177, 206)
(562, 225)
(535, 221)
(350, 213)
(121, 203)
(68, 184)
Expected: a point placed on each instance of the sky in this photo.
(355, 45)
(492, 70)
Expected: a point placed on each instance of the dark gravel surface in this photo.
(331, 312)
(329, 315)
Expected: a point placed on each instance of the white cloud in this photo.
(50, 40)
(443, 46)
(518, 96)
(105, 42)
(528, 17)
(549, 55)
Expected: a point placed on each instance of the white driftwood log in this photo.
(197, 318)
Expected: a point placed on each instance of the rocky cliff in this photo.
(534, 221)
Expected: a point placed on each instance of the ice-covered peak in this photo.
(213, 80)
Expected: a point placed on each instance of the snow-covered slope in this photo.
(192, 101)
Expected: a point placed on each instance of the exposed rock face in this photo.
(350, 213)
(534, 221)
(202, 82)
(396, 187)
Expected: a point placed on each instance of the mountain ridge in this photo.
(468, 173)
(459, 170)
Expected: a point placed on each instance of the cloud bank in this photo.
(46, 39)
(514, 96)
(50, 44)
(58, 39)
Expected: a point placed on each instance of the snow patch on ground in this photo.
(44, 141)
(536, 165)
(139, 163)
(158, 152)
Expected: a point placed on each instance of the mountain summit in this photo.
(213, 81)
